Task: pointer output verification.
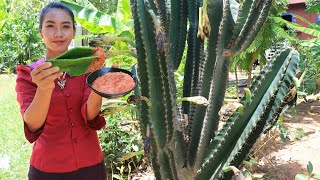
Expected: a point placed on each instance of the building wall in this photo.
(299, 9)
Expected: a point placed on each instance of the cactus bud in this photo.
(195, 99)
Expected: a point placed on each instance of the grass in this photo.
(12, 141)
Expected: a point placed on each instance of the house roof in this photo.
(296, 1)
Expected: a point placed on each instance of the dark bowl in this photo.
(98, 73)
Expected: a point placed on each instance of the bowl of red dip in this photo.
(112, 82)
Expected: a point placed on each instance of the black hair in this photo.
(57, 5)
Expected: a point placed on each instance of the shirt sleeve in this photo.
(26, 90)
(99, 121)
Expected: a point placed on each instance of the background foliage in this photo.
(19, 38)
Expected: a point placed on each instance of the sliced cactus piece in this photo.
(79, 60)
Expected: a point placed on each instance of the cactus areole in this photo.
(185, 140)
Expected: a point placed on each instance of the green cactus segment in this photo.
(153, 6)
(173, 164)
(178, 31)
(218, 87)
(243, 22)
(76, 61)
(165, 168)
(280, 100)
(272, 111)
(164, 10)
(214, 9)
(216, 98)
(253, 25)
(195, 50)
(154, 158)
(142, 65)
(169, 90)
(226, 144)
(278, 106)
(167, 78)
(257, 81)
(225, 29)
(156, 86)
(159, 77)
(178, 148)
(200, 152)
(249, 142)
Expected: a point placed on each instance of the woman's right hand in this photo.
(44, 75)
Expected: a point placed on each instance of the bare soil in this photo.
(283, 160)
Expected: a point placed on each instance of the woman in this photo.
(60, 113)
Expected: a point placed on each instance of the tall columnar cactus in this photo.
(212, 32)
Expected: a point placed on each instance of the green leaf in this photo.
(123, 11)
(95, 21)
(314, 9)
(128, 156)
(75, 61)
(309, 167)
(116, 176)
(297, 27)
(300, 177)
(85, 3)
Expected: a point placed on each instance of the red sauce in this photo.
(114, 83)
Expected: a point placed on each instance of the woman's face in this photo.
(57, 32)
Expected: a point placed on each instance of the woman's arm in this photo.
(43, 76)
(93, 105)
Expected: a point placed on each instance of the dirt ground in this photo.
(283, 160)
(279, 160)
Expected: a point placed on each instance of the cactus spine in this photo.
(198, 150)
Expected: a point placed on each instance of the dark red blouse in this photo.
(67, 141)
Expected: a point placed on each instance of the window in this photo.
(288, 17)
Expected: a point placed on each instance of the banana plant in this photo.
(94, 20)
(186, 141)
(112, 32)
